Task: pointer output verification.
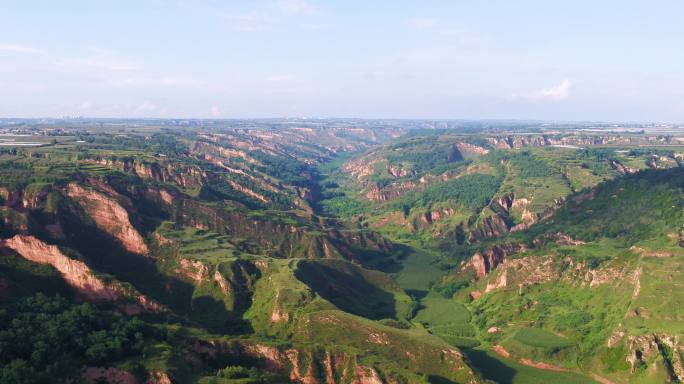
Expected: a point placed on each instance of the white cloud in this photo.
(85, 106)
(247, 21)
(169, 81)
(148, 109)
(215, 111)
(266, 15)
(421, 22)
(102, 63)
(279, 78)
(16, 48)
(32, 87)
(144, 109)
(297, 8)
(556, 93)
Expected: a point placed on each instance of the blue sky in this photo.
(570, 60)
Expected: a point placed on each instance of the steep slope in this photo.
(584, 288)
(445, 190)
(78, 275)
(211, 238)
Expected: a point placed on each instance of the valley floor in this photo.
(416, 275)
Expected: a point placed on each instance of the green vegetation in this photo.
(506, 371)
(637, 207)
(261, 245)
(472, 191)
(527, 164)
(421, 155)
(448, 319)
(362, 292)
(42, 338)
(536, 337)
(284, 168)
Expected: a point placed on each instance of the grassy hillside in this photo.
(308, 254)
(588, 303)
(225, 241)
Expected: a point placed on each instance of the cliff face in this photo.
(389, 192)
(490, 226)
(111, 375)
(507, 208)
(396, 171)
(109, 216)
(301, 366)
(471, 150)
(621, 169)
(94, 375)
(424, 220)
(360, 168)
(654, 348)
(75, 272)
(78, 275)
(483, 262)
(521, 141)
(186, 176)
(276, 238)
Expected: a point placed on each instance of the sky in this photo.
(610, 60)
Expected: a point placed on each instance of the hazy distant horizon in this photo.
(526, 60)
(605, 123)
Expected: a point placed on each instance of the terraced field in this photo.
(202, 245)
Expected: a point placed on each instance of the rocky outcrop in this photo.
(193, 270)
(645, 348)
(576, 140)
(621, 169)
(399, 172)
(109, 216)
(505, 209)
(204, 148)
(389, 192)
(94, 375)
(246, 191)
(111, 375)
(490, 226)
(304, 367)
(559, 238)
(158, 377)
(360, 168)
(523, 272)
(427, 218)
(278, 314)
(78, 275)
(185, 176)
(365, 375)
(471, 150)
(485, 261)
